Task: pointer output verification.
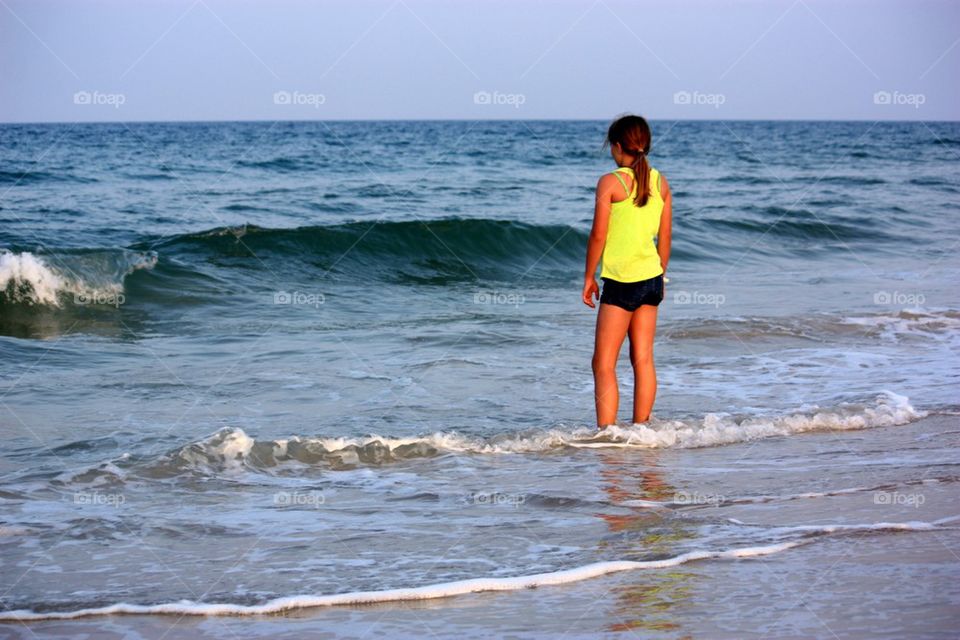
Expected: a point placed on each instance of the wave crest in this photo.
(405, 250)
(88, 277)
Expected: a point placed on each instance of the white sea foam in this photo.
(909, 322)
(443, 590)
(716, 429)
(653, 504)
(232, 448)
(913, 525)
(475, 585)
(690, 498)
(89, 277)
(103, 473)
(28, 278)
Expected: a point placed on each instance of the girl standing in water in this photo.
(633, 206)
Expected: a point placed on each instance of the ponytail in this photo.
(641, 173)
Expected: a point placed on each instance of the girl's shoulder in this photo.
(611, 178)
(663, 185)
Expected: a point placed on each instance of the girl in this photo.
(633, 205)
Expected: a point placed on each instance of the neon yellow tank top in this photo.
(630, 254)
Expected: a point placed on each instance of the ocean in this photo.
(332, 379)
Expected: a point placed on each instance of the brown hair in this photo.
(632, 133)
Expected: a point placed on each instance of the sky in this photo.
(150, 60)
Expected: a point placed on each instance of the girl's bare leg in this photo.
(643, 325)
(612, 325)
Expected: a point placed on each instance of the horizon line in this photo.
(269, 120)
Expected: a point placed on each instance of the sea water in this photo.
(283, 369)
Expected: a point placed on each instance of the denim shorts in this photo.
(630, 295)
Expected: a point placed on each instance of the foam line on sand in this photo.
(443, 590)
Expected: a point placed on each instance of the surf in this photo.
(88, 277)
(231, 450)
(807, 534)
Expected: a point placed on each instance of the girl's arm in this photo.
(606, 187)
(666, 224)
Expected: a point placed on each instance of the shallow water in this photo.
(827, 523)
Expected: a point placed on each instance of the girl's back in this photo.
(630, 254)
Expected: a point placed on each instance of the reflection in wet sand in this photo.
(649, 598)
